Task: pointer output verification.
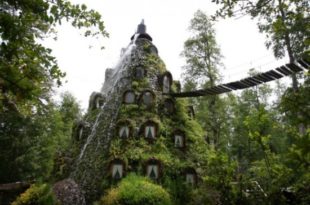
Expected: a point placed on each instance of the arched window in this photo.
(179, 140)
(190, 176)
(139, 73)
(191, 112)
(80, 130)
(153, 49)
(148, 98)
(124, 129)
(117, 169)
(129, 97)
(96, 101)
(166, 82)
(150, 130)
(80, 133)
(153, 169)
(168, 106)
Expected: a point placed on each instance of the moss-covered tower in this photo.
(133, 125)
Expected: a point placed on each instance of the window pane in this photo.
(129, 97)
(169, 107)
(152, 171)
(178, 141)
(149, 132)
(139, 73)
(80, 133)
(147, 98)
(166, 84)
(117, 171)
(190, 179)
(124, 132)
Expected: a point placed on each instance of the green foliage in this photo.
(28, 69)
(140, 149)
(138, 85)
(28, 144)
(220, 175)
(37, 194)
(285, 22)
(201, 52)
(71, 112)
(259, 153)
(203, 60)
(293, 102)
(137, 150)
(299, 154)
(156, 62)
(136, 190)
(32, 126)
(206, 195)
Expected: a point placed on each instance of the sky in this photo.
(167, 22)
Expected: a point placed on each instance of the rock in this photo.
(68, 192)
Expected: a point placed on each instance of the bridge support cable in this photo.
(271, 75)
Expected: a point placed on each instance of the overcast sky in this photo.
(167, 21)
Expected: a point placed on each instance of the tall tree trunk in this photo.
(288, 44)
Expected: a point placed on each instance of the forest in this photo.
(257, 140)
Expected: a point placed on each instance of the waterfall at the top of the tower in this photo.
(138, 53)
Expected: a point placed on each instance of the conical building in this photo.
(133, 125)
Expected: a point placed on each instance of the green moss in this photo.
(138, 112)
(147, 47)
(173, 88)
(91, 115)
(176, 86)
(140, 85)
(135, 85)
(153, 61)
(136, 150)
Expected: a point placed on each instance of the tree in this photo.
(203, 56)
(250, 123)
(271, 155)
(201, 52)
(29, 143)
(70, 112)
(285, 23)
(27, 68)
(32, 127)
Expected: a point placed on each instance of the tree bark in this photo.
(288, 44)
(301, 126)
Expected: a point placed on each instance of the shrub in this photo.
(136, 190)
(37, 194)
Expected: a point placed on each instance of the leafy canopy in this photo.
(201, 52)
(285, 22)
(136, 190)
(27, 68)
